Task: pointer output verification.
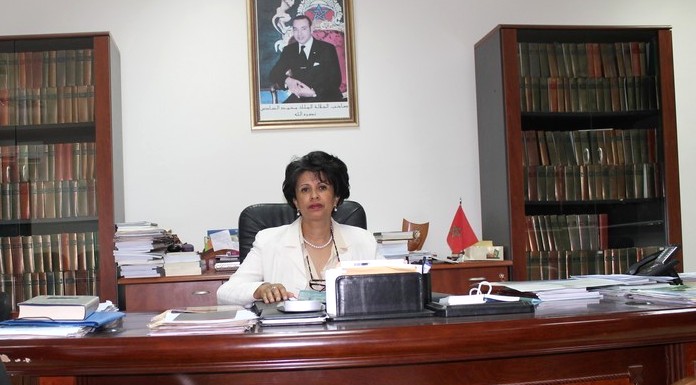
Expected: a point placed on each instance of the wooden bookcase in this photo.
(62, 173)
(578, 146)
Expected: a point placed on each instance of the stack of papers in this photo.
(140, 247)
(192, 321)
(31, 332)
(555, 290)
(566, 294)
(670, 294)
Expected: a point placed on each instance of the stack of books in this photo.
(140, 248)
(394, 244)
(182, 263)
(59, 316)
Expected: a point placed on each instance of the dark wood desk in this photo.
(602, 343)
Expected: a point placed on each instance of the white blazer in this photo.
(277, 257)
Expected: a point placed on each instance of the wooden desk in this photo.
(590, 344)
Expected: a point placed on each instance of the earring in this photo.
(335, 208)
(298, 212)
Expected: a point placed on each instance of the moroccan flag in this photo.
(460, 235)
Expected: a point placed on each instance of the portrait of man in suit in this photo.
(308, 68)
(301, 64)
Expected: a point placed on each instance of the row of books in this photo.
(586, 60)
(562, 264)
(582, 147)
(48, 199)
(601, 164)
(53, 105)
(563, 94)
(592, 182)
(49, 252)
(587, 77)
(21, 287)
(41, 69)
(48, 161)
(567, 232)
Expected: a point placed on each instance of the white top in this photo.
(277, 256)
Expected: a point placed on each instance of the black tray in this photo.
(487, 308)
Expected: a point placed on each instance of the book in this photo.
(181, 256)
(395, 235)
(59, 307)
(172, 269)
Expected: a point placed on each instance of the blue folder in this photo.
(95, 320)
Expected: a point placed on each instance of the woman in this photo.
(294, 257)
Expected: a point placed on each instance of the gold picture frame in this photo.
(289, 94)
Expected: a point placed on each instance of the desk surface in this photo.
(595, 337)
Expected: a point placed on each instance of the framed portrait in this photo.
(301, 63)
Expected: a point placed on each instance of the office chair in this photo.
(264, 215)
(4, 377)
(5, 306)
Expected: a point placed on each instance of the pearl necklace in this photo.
(312, 245)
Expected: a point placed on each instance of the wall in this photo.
(192, 162)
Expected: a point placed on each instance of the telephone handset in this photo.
(657, 264)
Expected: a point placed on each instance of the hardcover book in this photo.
(58, 307)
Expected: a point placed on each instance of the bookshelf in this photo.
(577, 146)
(62, 179)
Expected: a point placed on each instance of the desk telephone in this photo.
(657, 264)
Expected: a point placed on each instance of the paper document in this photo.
(222, 240)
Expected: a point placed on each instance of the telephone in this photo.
(658, 264)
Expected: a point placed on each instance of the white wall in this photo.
(192, 162)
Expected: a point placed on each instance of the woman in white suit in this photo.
(294, 257)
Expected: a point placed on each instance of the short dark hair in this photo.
(301, 17)
(328, 168)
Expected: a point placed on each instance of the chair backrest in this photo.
(5, 306)
(264, 215)
(4, 377)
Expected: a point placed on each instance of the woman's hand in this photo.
(272, 292)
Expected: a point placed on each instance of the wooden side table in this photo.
(457, 278)
(162, 293)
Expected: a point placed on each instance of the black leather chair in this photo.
(264, 215)
(4, 377)
(5, 306)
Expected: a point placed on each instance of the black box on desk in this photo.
(389, 295)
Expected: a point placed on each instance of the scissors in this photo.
(483, 288)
